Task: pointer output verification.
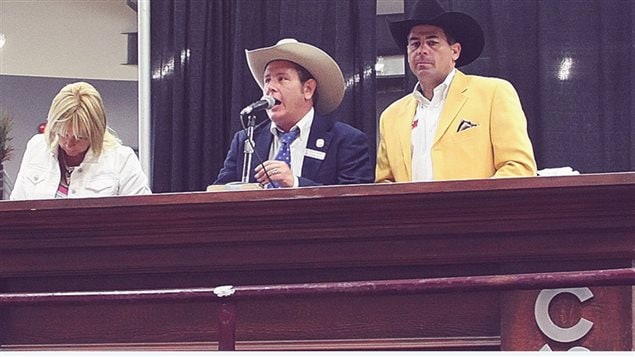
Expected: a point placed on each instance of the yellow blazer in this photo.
(498, 146)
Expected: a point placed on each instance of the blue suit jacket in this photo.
(347, 159)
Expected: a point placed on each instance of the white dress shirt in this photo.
(424, 127)
(298, 146)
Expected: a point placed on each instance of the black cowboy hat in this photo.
(462, 27)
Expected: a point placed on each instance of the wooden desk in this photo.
(339, 233)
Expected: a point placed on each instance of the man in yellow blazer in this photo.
(452, 126)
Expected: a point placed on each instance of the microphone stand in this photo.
(249, 147)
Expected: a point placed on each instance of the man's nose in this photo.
(270, 89)
(422, 49)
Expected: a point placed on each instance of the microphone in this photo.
(266, 102)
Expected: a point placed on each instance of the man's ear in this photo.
(309, 88)
(456, 51)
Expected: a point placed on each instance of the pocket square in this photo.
(465, 124)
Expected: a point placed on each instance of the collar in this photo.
(440, 91)
(303, 124)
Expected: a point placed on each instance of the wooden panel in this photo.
(338, 233)
(610, 311)
(281, 320)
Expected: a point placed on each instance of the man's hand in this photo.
(279, 172)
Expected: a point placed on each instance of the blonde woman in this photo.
(78, 155)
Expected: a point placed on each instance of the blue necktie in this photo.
(284, 152)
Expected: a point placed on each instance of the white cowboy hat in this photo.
(323, 68)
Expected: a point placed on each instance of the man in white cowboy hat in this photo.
(452, 126)
(300, 146)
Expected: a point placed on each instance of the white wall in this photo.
(50, 43)
(67, 38)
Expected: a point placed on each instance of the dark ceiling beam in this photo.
(132, 4)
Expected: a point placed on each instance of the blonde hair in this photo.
(78, 106)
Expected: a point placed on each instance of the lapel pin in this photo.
(319, 143)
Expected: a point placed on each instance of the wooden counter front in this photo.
(322, 234)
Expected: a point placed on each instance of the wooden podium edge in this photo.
(432, 344)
